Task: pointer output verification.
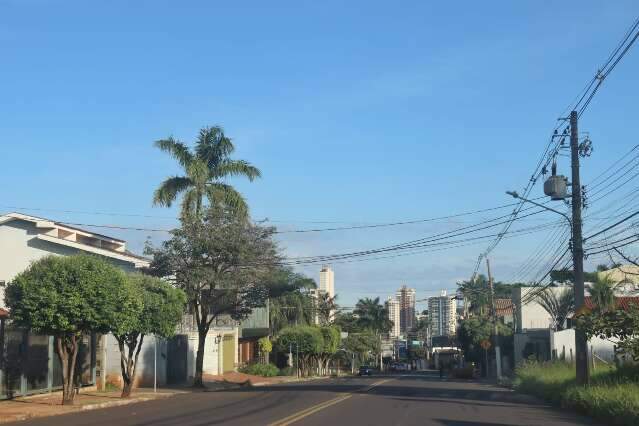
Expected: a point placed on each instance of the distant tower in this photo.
(442, 312)
(392, 304)
(327, 280)
(406, 298)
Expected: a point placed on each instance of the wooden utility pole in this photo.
(581, 343)
(493, 314)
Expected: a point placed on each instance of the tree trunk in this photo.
(67, 349)
(199, 359)
(129, 361)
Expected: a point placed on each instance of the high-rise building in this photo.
(392, 305)
(442, 312)
(327, 280)
(406, 299)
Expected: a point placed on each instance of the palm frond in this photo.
(190, 203)
(168, 190)
(226, 195)
(176, 149)
(237, 168)
(212, 146)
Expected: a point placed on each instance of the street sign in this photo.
(485, 344)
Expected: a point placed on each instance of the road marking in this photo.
(322, 405)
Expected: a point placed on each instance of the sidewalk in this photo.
(241, 379)
(50, 404)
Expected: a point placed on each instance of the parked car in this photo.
(365, 370)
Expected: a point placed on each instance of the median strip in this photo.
(322, 405)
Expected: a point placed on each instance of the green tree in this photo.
(325, 306)
(66, 297)
(156, 309)
(221, 262)
(557, 306)
(265, 347)
(306, 341)
(473, 331)
(365, 345)
(602, 293)
(205, 170)
(331, 339)
(290, 299)
(372, 315)
(617, 322)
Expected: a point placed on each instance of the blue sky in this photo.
(356, 112)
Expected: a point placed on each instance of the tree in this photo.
(265, 347)
(205, 169)
(366, 345)
(348, 322)
(602, 293)
(325, 307)
(557, 306)
(290, 300)
(156, 309)
(220, 261)
(372, 315)
(618, 323)
(66, 297)
(331, 339)
(473, 331)
(307, 341)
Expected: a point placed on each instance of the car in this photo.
(365, 370)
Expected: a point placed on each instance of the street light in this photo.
(514, 194)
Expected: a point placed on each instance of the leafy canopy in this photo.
(70, 295)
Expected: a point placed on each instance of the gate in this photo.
(176, 359)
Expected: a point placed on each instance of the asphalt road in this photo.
(420, 399)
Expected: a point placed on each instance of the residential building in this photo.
(24, 239)
(406, 298)
(442, 311)
(327, 280)
(393, 308)
(251, 329)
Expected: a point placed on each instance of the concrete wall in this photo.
(145, 369)
(19, 247)
(213, 352)
(564, 342)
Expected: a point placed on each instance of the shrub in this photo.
(264, 370)
(287, 371)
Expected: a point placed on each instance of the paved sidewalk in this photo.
(50, 404)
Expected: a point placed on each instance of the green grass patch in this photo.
(613, 394)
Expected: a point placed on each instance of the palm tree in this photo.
(205, 170)
(602, 293)
(372, 315)
(558, 307)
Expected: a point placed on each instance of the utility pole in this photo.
(493, 314)
(581, 343)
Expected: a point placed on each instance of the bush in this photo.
(287, 371)
(613, 394)
(264, 370)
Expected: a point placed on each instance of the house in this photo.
(24, 239)
(504, 310)
(251, 329)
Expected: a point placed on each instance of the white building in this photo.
(442, 313)
(327, 280)
(392, 305)
(24, 239)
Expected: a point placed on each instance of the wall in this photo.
(531, 315)
(532, 342)
(213, 352)
(145, 369)
(564, 341)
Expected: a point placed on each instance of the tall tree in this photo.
(157, 308)
(325, 307)
(66, 297)
(220, 261)
(290, 299)
(372, 315)
(205, 169)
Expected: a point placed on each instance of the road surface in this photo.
(413, 399)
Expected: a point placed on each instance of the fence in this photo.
(29, 364)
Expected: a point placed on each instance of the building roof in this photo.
(503, 307)
(621, 302)
(81, 239)
(4, 313)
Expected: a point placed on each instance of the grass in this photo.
(613, 394)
